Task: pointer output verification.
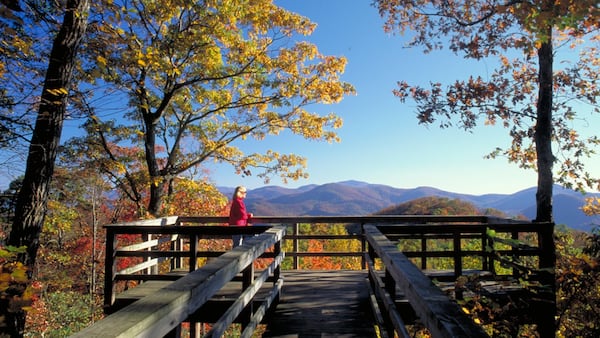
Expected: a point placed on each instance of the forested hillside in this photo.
(359, 198)
(72, 256)
(577, 273)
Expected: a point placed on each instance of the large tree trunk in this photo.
(33, 196)
(543, 134)
(157, 181)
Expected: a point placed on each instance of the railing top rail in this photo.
(368, 219)
(157, 314)
(439, 314)
(189, 230)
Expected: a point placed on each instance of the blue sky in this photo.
(382, 141)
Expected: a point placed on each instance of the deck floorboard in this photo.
(322, 304)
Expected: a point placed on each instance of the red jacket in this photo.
(238, 214)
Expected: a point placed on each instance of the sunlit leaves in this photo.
(512, 32)
(592, 206)
(16, 291)
(578, 291)
(193, 198)
(199, 76)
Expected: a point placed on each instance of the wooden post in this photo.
(295, 245)
(363, 246)
(277, 252)
(423, 249)
(109, 269)
(390, 288)
(146, 237)
(174, 247)
(193, 252)
(515, 236)
(485, 255)
(247, 279)
(457, 254)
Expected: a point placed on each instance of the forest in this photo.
(166, 87)
(66, 295)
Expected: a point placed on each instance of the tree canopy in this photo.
(533, 92)
(170, 85)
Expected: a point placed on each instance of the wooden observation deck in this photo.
(174, 277)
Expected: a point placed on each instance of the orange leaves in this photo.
(14, 280)
(207, 75)
(193, 198)
(592, 206)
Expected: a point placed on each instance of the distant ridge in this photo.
(361, 198)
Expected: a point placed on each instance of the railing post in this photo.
(363, 247)
(276, 253)
(390, 288)
(151, 269)
(193, 252)
(485, 255)
(296, 232)
(175, 247)
(247, 278)
(109, 269)
(514, 236)
(492, 254)
(457, 254)
(423, 251)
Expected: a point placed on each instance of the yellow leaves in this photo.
(58, 91)
(19, 273)
(592, 206)
(101, 60)
(5, 278)
(120, 168)
(215, 72)
(14, 275)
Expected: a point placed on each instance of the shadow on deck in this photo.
(322, 304)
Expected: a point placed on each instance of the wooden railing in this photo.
(498, 250)
(168, 296)
(167, 249)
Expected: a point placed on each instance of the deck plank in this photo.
(322, 304)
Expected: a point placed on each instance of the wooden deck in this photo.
(306, 303)
(322, 304)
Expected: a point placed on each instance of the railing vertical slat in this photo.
(193, 252)
(423, 249)
(296, 232)
(363, 247)
(109, 268)
(457, 253)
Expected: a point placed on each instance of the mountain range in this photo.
(360, 198)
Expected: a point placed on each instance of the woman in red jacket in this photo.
(238, 216)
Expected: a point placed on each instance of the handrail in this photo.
(441, 316)
(157, 314)
(183, 234)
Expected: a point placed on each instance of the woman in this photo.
(238, 216)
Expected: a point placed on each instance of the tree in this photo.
(535, 101)
(7, 206)
(194, 79)
(578, 296)
(32, 198)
